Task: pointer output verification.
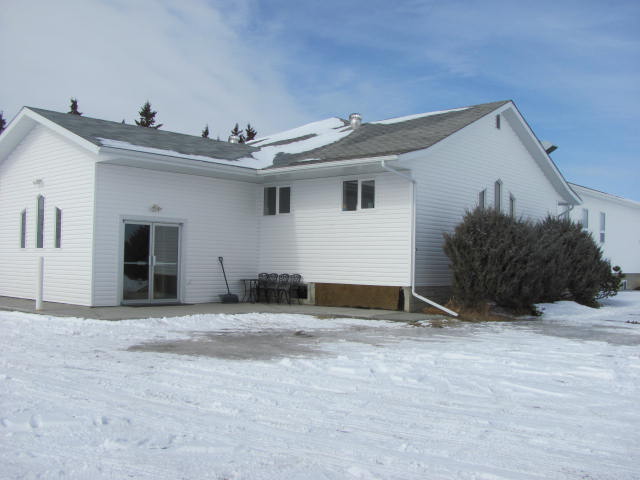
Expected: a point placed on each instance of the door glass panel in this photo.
(165, 270)
(136, 262)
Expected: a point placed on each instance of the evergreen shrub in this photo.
(516, 263)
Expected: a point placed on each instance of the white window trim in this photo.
(482, 199)
(497, 195)
(584, 219)
(278, 187)
(513, 205)
(359, 195)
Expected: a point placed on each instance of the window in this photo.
(23, 229)
(368, 194)
(603, 219)
(40, 224)
(512, 206)
(498, 122)
(585, 218)
(482, 199)
(349, 195)
(58, 227)
(284, 200)
(352, 201)
(277, 199)
(497, 196)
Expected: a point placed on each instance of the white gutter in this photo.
(414, 189)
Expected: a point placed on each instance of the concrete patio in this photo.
(125, 312)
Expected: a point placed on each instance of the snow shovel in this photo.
(227, 297)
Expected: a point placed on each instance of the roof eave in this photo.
(170, 163)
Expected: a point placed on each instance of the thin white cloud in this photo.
(114, 55)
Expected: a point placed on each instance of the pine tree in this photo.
(3, 122)
(205, 132)
(250, 132)
(238, 133)
(147, 117)
(74, 107)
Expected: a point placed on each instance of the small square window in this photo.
(368, 194)
(284, 200)
(349, 195)
(269, 201)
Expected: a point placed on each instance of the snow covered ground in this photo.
(550, 398)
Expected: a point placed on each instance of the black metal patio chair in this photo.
(261, 289)
(272, 287)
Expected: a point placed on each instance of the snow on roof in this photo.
(390, 121)
(302, 139)
(242, 162)
(314, 128)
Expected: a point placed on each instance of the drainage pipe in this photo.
(414, 194)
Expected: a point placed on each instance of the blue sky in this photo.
(573, 68)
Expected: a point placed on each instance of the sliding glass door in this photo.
(151, 262)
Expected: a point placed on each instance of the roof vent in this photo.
(355, 120)
(234, 139)
(548, 146)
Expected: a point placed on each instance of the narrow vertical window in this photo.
(368, 194)
(349, 195)
(23, 229)
(40, 224)
(603, 219)
(270, 201)
(512, 206)
(58, 228)
(497, 194)
(585, 218)
(482, 199)
(498, 122)
(284, 200)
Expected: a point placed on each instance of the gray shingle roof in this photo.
(377, 139)
(92, 129)
(369, 140)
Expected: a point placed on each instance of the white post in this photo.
(40, 283)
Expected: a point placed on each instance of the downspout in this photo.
(414, 189)
(570, 207)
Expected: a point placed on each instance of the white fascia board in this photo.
(338, 168)
(528, 138)
(17, 129)
(92, 147)
(330, 164)
(168, 163)
(533, 144)
(607, 197)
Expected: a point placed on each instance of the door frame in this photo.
(180, 223)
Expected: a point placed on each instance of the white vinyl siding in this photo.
(66, 172)
(480, 153)
(621, 227)
(218, 217)
(325, 244)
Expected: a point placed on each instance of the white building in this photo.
(126, 214)
(614, 223)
